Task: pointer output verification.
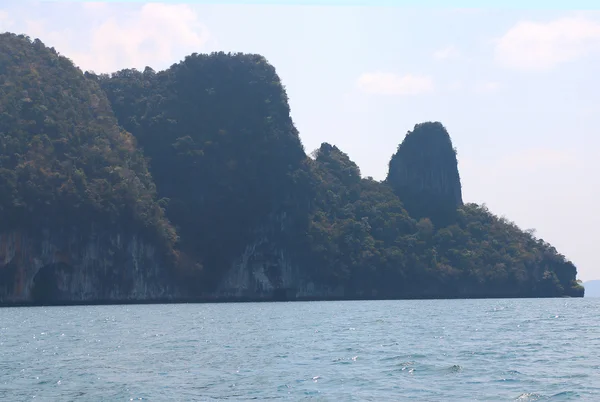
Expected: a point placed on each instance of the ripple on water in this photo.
(529, 397)
(523, 350)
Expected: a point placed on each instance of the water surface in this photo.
(438, 350)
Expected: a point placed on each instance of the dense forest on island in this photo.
(201, 170)
(63, 157)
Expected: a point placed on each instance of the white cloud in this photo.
(446, 53)
(153, 34)
(392, 84)
(487, 87)
(538, 46)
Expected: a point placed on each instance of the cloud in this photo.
(539, 46)
(446, 53)
(152, 34)
(392, 84)
(487, 87)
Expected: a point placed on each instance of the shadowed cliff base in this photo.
(192, 184)
(276, 298)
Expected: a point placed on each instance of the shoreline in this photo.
(237, 300)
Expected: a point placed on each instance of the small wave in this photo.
(394, 358)
(538, 397)
(386, 345)
(529, 397)
(508, 380)
(345, 360)
(565, 395)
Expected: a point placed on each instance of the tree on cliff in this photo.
(355, 228)
(361, 237)
(63, 160)
(223, 148)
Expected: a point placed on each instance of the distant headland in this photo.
(192, 184)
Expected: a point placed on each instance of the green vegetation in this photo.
(63, 159)
(224, 152)
(362, 236)
(229, 166)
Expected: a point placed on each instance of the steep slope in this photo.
(356, 229)
(259, 217)
(226, 155)
(424, 173)
(78, 217)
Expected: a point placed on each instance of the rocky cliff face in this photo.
(424, 173)
(225, 153)
(66, 166)
(72, 266)
(267, 269)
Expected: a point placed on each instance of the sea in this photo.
(417, 350)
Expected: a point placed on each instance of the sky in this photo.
(516, 89)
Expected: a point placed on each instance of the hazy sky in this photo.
(517, 90)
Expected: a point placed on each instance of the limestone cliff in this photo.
(424, 173)
(268, 269)
(65, 168)
(226, 155)
(68, 266)
(58, 266)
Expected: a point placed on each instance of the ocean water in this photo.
(438, 350)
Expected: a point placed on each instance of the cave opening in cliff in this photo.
(49, 283)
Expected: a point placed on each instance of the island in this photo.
(192, 184)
